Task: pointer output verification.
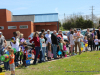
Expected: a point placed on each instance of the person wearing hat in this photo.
(98, 35)
(48, 36)
(1, 45)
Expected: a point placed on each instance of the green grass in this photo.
(87, 61)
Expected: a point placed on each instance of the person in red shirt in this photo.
(36, 41)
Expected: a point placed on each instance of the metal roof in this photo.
(49, 17)
(46, 17)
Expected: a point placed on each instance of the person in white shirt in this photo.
(48, 36)
(96, 41)
(77, 41)
(15, 44)
(71, 42)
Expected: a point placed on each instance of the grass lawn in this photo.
(87, 61)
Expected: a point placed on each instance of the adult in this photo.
(43, 33)
(1, 45)
(89, 38)
(98, 35)
(59, 36)
(48, 36)
(95, 34)
(54, 43)
(77, 41)
(68, 35)
(15, 44)
(36, 41)
(71, 42)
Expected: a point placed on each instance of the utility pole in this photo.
(92, 13)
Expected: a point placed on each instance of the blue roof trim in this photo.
(46, 22)
(37, 14)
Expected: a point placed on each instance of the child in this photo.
(61, 47)
(43, 47)
(86, 42)
(64, 49)
(11, 61)
(96, 42)
(49, 51)
(6, 64)
(25, 56)
(82, 45)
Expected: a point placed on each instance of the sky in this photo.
(22, 7)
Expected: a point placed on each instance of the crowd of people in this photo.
(51, 45)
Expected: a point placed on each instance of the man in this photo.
(98, 35)
(77, 41)
(89, 38)
(95, 33)
(48, 36)
(54, 43)
(1, 45)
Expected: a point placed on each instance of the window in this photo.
(23, 26)
(12, 27)
(1, 27)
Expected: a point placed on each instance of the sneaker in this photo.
(75, 54)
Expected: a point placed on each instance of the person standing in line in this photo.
(1, 45)
(95, 34)
(43, 47)
(15, 44)
(36, 41)
(71, 43)
(48, 36)
(96, 41)
(54, 44)
(90, 38)
(77, 41)
(98, 36)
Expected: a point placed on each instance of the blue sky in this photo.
(19, 7)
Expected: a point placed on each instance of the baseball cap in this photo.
(48, 30)
(0, 33)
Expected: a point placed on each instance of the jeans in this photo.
(43, 53)
(16, 58)
(93, 45)
(6, 65)
(54, 47)
(37, 52)
(90, 43)
(1, 53)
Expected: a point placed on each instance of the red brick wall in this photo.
(8, 33)
(8, 15)
(46, 25)
(2, 15)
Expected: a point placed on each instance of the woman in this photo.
(36, 41)
(71, 43)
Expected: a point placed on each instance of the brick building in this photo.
(26, 24)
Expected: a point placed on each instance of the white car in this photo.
(31, 36)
